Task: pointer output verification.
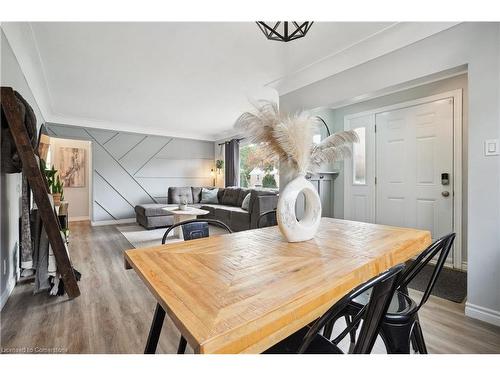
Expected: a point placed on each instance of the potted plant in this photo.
(57, 191)
(219, 164)
(54, 182)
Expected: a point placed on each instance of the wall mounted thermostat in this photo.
(491, 147)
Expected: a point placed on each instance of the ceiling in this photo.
(180, 79)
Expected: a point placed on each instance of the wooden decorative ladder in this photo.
(39, 186)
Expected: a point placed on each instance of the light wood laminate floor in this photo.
(114, 311)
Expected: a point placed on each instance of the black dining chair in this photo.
(401, 325)
(191, 230)
(267, 219)
(308, 340)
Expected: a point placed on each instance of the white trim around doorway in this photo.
(456, 95)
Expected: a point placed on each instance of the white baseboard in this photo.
(482, 313)
(112, 222)
(7, 292)
(78, 218)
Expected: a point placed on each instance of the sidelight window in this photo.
(359, 158)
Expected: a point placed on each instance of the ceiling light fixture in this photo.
(284, 31)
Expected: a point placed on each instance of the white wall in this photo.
(476, 45)
(10, 203)
(77, 197)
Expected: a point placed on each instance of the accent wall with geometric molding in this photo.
(132, 168)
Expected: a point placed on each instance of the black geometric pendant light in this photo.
(284, 31)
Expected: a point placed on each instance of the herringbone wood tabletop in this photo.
(244, 292)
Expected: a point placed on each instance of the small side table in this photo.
(183, 215)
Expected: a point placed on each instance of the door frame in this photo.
(457, 97)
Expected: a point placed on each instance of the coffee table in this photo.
(183, 215)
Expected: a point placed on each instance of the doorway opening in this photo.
(70, 160)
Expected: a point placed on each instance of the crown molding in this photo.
(227, 135)
(127, 127)
(392, 38)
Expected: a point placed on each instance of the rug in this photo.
(451, 284)
(141, 237)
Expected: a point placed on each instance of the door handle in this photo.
(445, 193)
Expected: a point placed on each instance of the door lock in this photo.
(445, 193)
(445, 178)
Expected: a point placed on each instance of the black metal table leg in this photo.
(155, 330)
(181, 349)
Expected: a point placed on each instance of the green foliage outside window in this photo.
(269, 181)
(254, 156)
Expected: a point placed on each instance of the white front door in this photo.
(414, 165)
(402, 171)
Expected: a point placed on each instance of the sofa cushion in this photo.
(150, 222)
(175, 194)
(255, 193)
(228, 208)
(241, 196)
(230, 197)
(209, 196)
(223, 215)
(220, 194)
(211, 208)
(151, 209)
(239, 220)
(235, 217)
(196, 194)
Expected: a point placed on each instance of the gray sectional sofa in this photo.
(228, 209)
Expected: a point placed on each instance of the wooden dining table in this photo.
(244, 292)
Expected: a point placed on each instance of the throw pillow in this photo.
(246, 202)
(243, 193)
(209, 195)
(196, 194)
(220, 194)
(230, 197)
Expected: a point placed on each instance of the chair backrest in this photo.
(440, 248)
(267, 219)
(195, 228)
(372, 314)
(192, 231)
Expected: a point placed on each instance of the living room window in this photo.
(256, 169)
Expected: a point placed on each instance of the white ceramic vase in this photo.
(293, 229)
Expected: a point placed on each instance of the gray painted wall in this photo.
(132, 168)
(10, 185)
(476, 45)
